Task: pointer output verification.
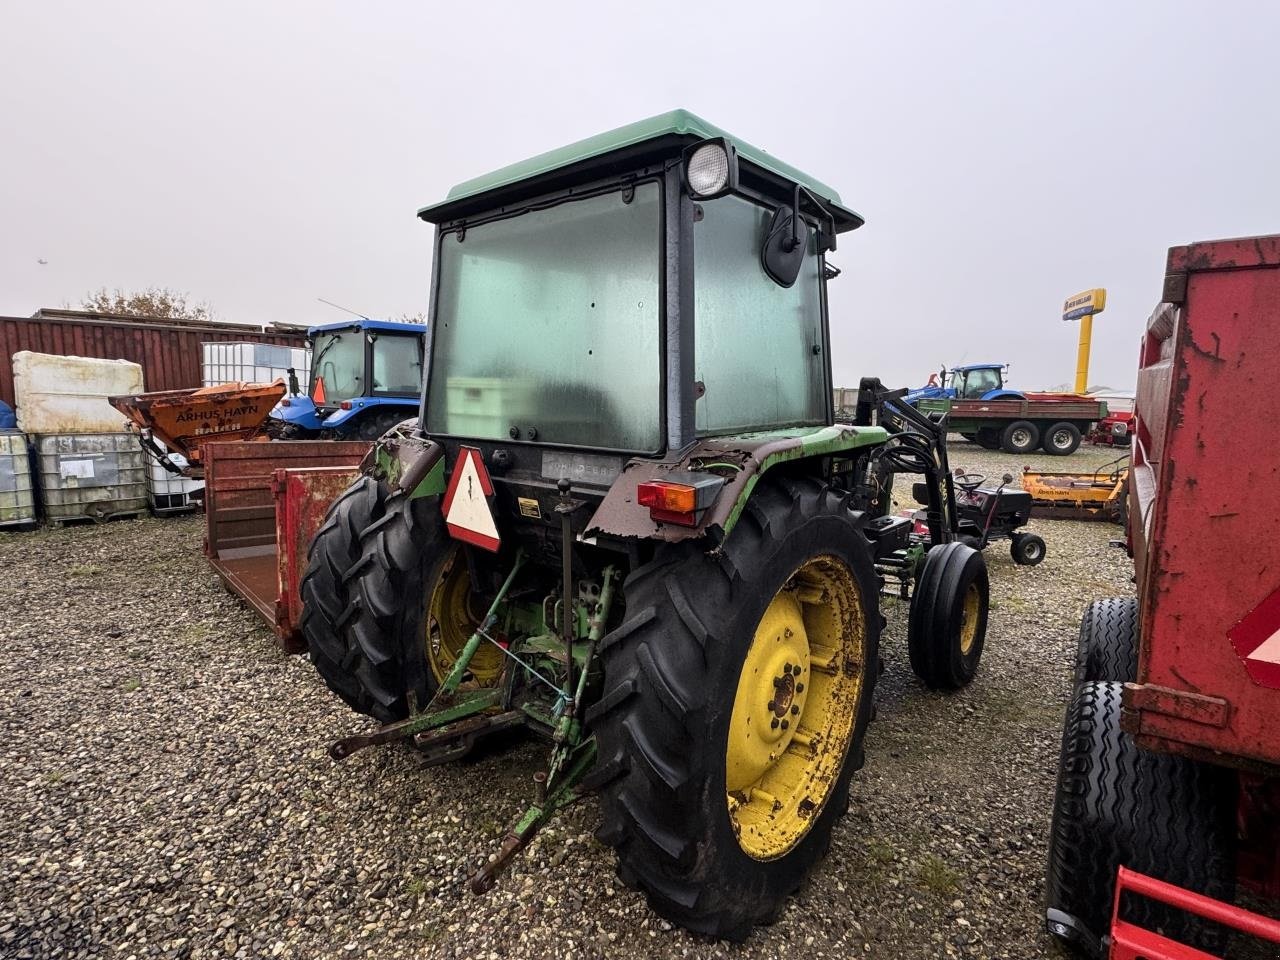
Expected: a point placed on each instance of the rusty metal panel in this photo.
(240, 509)
(1206, 531)
(169, 351)
(303, 497)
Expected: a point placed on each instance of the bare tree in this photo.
(418, 317)
(151, 302)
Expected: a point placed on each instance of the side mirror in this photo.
(781, 256)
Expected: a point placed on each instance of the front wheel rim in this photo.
(799, 693)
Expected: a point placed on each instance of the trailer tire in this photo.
(335, 547)
(988, 438)
(1108, 647)
(675, 669)
(1027, 549)
(1115, 804)
(1021, 436)
(1061, 439)
(947, 624)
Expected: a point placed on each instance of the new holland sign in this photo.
(1085, 304)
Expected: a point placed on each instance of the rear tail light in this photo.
(345, 405)
(681, 499)
(285, 402)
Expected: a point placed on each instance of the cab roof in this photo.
(360, 323)
(962, 367)
(625, 148)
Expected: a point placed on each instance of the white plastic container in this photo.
(252, 363)
(91, 476)
(167, 492)
(57, 395)
(17, 486)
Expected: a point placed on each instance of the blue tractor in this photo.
(970, 381)
(366, 376)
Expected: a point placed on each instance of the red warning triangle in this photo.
(466, 508)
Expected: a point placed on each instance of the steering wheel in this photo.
(969, 481)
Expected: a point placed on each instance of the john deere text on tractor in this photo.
(627, 520)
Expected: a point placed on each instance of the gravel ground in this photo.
(167, 793)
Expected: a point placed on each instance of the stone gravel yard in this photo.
(166, 792)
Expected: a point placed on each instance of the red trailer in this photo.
(264, 502)
(1168, 797)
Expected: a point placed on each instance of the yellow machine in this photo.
(1099, 495)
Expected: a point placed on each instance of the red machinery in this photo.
(1170, 771)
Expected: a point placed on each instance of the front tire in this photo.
(788, 612)
(947, 625)
(1115, 804)
(1027, 549)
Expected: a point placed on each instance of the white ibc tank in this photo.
(61, 395)
(91, 476)
(17, 488)
(169, 492)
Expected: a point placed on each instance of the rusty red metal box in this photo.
(264, 502)
(1204, 500)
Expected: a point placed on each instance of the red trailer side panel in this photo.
(1205, 526)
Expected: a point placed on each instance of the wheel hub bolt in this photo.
(772, 705)
(774, 724)
(785, 724)
(799, 688)
(794, 710)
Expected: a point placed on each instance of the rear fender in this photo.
(740, 460)
(406, 462)
(1003, 395)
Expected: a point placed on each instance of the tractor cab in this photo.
(972, 381)
(366, 376)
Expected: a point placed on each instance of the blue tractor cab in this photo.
(970, 381)
(366, 376)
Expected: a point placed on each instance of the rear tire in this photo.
(947, 625)
(1108, 647)
(1027, 549)
(334, 549)
(373, 648)
(1115, 804)
(1021, 436)
(1061, 439)
(673, 675)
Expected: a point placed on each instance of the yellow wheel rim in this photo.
(451, 619)
(969, 618)
(796, 705)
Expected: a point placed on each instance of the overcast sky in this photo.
(261, 155)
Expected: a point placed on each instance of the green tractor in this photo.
(627, 519)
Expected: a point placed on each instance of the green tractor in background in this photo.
(627, 519)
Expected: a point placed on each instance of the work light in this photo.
(710, 169)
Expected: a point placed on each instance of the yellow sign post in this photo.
(1082, 307)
